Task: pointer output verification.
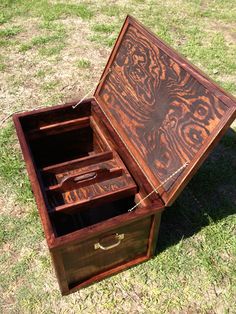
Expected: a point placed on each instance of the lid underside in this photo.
(164, 110)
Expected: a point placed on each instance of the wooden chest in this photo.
(102, 172)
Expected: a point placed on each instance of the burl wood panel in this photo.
(82, 261)
(163, 111)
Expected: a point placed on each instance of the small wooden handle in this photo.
(77, 181)
(84, 177)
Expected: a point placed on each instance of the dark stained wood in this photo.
(77, 181)
(107, 273)
(51, 115)
(165, 115)
(82, 260)
(108, 224)
(59, 127)
(78, 163)
(104, 143)
(90, 165)
(107, 180)
(98, 198)
(60, 271)
(115, 141)
(154, 234)
(41, 169)
(34, 180)
(95, 166)
(49, 150)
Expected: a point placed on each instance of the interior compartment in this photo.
(82, 178)
(55, 176)
(58, 148)
(52, 117)
(87, 185)
(67, 223)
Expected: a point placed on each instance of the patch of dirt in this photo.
(228, 30)
(20, 88)
(9, 206)
(77, 82)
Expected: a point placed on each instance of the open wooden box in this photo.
(102, 172)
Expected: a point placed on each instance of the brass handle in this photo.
(118, 237)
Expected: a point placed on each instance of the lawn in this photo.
(54, 51)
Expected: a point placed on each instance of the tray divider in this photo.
(77, 163)
(86, 178)
(59, 127)
(98, 200)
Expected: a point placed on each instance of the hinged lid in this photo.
(164, 109)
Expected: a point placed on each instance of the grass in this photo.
(49, 85)
(83, 64)
(10, 32)
(2, 67)
(50, 43)
(2, 63)
(44, 9)
(52, 51)
(104, 33)
(41, 73)
(12, 169)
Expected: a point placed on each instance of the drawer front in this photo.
(108, 250)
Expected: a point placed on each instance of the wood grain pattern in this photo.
(156, 111)
(91, 192)
(82, 261)
(165, 113)
(117, 179)
(64, 232)
(76, 181)
(59, 127)
(78, 163)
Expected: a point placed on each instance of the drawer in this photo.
(101, 253)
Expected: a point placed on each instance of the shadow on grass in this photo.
(210, 196)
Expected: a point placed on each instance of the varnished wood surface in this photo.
(164, 114)
(109, 164)
(110, 272)
(114, 179)
(61, 271)
(137, 252)
(45, 117)
(27, 121)
(115, 141)
(60, 127)
(97, 189)
(78, 163)
(82, 261)
(96, 198)
(77, 181)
